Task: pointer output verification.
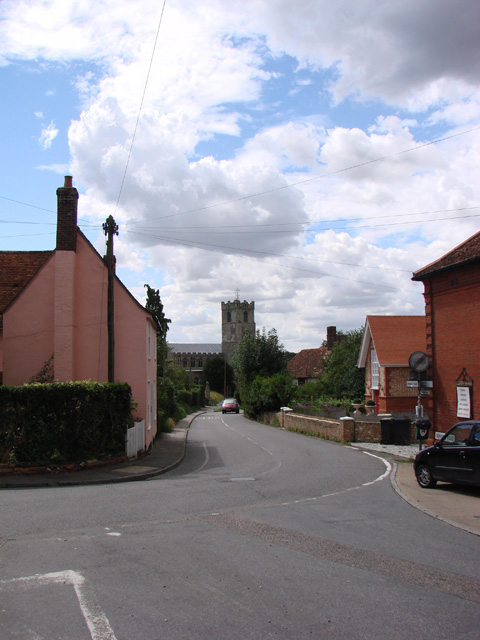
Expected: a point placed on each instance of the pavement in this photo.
(455, 505)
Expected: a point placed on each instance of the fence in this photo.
(135, 439)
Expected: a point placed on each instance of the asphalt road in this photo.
(259, 533)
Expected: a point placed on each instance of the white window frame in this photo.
(375, 369)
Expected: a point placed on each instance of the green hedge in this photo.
(63, 422)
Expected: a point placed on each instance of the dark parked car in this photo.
(455, 458)
(230, 405)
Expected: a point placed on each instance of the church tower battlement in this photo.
(238, 320)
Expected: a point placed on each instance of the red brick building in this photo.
(452, 310)
(387, 344)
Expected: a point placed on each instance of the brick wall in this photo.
(67, 200)
(343, 430)
(452, 304)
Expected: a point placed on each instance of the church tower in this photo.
(238, 320)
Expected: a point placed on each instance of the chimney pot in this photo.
(68, 181)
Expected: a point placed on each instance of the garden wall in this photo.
(345, 429)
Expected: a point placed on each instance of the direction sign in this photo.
(412, 384)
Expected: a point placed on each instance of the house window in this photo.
(374, 365)
(149, 341)
(185, 361)
(200, 362)
(192, 361)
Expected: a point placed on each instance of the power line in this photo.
(217, 229)
(141, 106)
(219, 249)
(324, 175)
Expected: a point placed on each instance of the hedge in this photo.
(64, 422)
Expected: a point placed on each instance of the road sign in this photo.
(424, 392)
(412, 383)
(418, 361)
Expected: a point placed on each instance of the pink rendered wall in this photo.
(131, 358)
(91, 344)
(63, 314)
(28, 328)
(79, 340)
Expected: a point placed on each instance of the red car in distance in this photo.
(230, 405)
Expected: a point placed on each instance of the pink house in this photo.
(53, 307)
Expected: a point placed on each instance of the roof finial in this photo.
(237, 291)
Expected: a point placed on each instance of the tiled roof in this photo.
(306, 364)
(17, 268)
(192, 347)
(396, 337)
(466, 252)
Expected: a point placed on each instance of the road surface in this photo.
(260, 533)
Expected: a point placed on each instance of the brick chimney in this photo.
(331, 337)
(64, 291)
(67, 199)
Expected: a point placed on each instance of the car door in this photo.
(472, 457)
(453, 462)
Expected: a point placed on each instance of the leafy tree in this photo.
(268, 393)
(258, 355)
(259, 365)
(218, 372)
(341, 377)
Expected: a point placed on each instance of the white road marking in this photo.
(257, 444)
(97, 622)
(384, 475)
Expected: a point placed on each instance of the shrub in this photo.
(63, 422)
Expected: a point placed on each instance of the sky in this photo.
(305, 155)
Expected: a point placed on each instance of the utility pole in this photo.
(110, 228)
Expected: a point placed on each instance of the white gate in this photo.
(135, 440)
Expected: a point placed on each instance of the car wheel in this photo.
(424, 477)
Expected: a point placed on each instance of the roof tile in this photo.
(463, 253)
(17, 268)
(396, 337)
(307, 363)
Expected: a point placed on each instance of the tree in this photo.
(259, 364)
(155, 306)
(218, 373)
(341, 377)
(258, 355)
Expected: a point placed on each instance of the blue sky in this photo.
(273, 147)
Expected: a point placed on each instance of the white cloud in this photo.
(47, 136)
(400, 73)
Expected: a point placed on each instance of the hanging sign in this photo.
(463, 402)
